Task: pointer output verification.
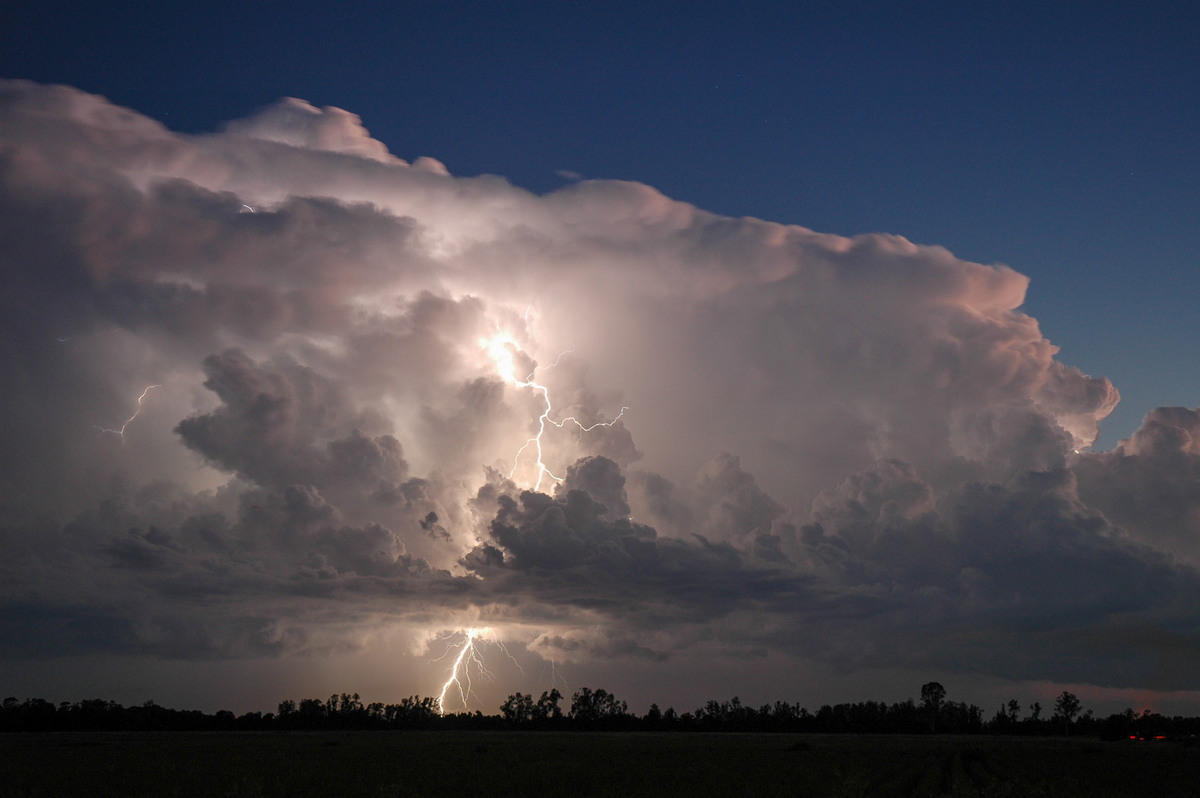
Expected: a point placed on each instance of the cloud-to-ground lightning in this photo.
(460, 670)
(556, 678)
(120, 431)
(468, 656)
(503, 351)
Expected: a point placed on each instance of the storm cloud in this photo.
(754, 437)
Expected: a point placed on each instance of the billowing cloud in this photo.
(610, 425)
(298, 123)
(1148, 483)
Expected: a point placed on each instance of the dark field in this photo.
(580, 764)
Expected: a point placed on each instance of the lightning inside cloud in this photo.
(848, 455)
(504, 352)
(120, 431)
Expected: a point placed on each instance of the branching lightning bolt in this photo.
(555, 677)
(469, 656)
(121, 430)
(502, 349)
(460, 671)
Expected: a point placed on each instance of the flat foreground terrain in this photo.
(387, 764)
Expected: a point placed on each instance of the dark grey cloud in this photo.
(1149, 483)
(271, 419)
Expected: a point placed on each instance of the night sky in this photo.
(857, 342)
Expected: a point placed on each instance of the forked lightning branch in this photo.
(504, 352)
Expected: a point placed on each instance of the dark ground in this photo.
(386, 764)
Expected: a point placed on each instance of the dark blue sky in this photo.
(1059, 138)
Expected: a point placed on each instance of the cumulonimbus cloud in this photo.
(858, 450)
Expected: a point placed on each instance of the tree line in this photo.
(600, 710)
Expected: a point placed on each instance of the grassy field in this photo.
(386, 764)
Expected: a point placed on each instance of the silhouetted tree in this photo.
(518, 709)
(547, 709)
(932, 695)
(599, 708)
(1066, 707)
(411, 713)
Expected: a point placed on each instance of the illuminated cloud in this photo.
(853, 450)
(300, 124)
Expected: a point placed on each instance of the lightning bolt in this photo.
(121, 431)
(469, 657)
(460, 672)
(502, 349)
(555, 677)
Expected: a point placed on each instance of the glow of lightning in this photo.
(500, 349)
(470, 655)
(121, 431)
